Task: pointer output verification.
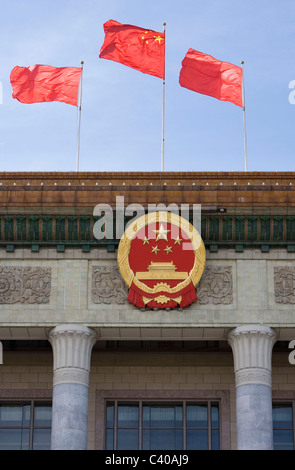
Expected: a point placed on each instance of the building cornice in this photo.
(86, 189)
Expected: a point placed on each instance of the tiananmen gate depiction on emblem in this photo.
(161, 257)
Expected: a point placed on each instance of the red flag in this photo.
(39, 83)
(204, 74)
(138, 48)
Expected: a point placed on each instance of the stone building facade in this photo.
(84, 369)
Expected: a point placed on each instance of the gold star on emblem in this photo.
(155, 249)
(161, 233)
(146, 241)
(177, 241)
(168, 249)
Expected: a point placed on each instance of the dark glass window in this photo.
(283, 426)
(162, 426)
(202, 429)
(25, 426)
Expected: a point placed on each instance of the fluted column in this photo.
(72, 346)
(252, 351)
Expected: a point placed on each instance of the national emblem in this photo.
(157, 275)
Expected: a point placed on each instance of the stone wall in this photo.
(47, 288)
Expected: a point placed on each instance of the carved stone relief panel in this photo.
(216, 286)
(284, 284)
(24, 285)
(108, 286)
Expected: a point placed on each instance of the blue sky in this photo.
(121, 122)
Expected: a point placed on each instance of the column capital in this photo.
(252, 350)
(72, 346)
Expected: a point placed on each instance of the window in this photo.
(162, 425)
(283, 426)
(25, 425)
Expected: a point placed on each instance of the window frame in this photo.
(285, 397)
(184, 427)
(22, 397)
(169, 397)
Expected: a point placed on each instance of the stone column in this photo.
(252, 351)
(72, 346)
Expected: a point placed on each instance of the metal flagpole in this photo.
(163, 103)
(244, 116)
(79, 118)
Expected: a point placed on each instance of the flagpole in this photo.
(163, 102)
(244, 116)
(79, 117)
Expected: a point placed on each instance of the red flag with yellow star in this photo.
(138, 48)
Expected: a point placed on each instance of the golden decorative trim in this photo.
(143, 275)
(161, 299)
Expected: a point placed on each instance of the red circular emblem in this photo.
(161, 257)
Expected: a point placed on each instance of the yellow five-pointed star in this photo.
(161, 233)
(146, 241)
(168, 249)
(155, 249)
(158, 38)
(177, 241)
